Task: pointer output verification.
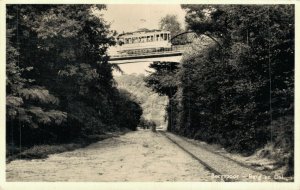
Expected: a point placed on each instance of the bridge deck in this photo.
(146, 55)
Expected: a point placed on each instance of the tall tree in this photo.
(29, 105)
(164, 80)
(254, 75)
(239, 91)
(57, 61)
(170, 23)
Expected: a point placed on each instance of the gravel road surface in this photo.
(135, 156)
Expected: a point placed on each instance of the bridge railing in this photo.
(173, 49)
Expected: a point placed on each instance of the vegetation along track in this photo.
(223, 168)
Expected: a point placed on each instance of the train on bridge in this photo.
(141, 42)
(148, 44)
(137, 50)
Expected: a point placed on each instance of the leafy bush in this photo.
(59, 82)
(235, 84)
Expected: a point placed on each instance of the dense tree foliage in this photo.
(238, 89)
(152, 104)
(163, 81)
(170, 23)
(59, 82)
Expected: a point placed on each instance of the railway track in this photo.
(208, 167)
(227, 169)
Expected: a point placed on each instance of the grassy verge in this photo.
(44, 150)
(272, 163)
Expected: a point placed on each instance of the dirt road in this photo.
(135, 156)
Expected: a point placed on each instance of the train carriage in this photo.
(141, 42)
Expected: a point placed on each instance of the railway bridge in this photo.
(139, 63)
(139, 49)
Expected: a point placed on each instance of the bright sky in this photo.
(130, 17)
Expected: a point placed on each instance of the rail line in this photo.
(239, 163)
(209, 167)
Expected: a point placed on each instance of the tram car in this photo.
(142, 42)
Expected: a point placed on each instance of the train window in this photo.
(165, 37)
(147, 37)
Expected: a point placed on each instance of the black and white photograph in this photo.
(149, 92)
